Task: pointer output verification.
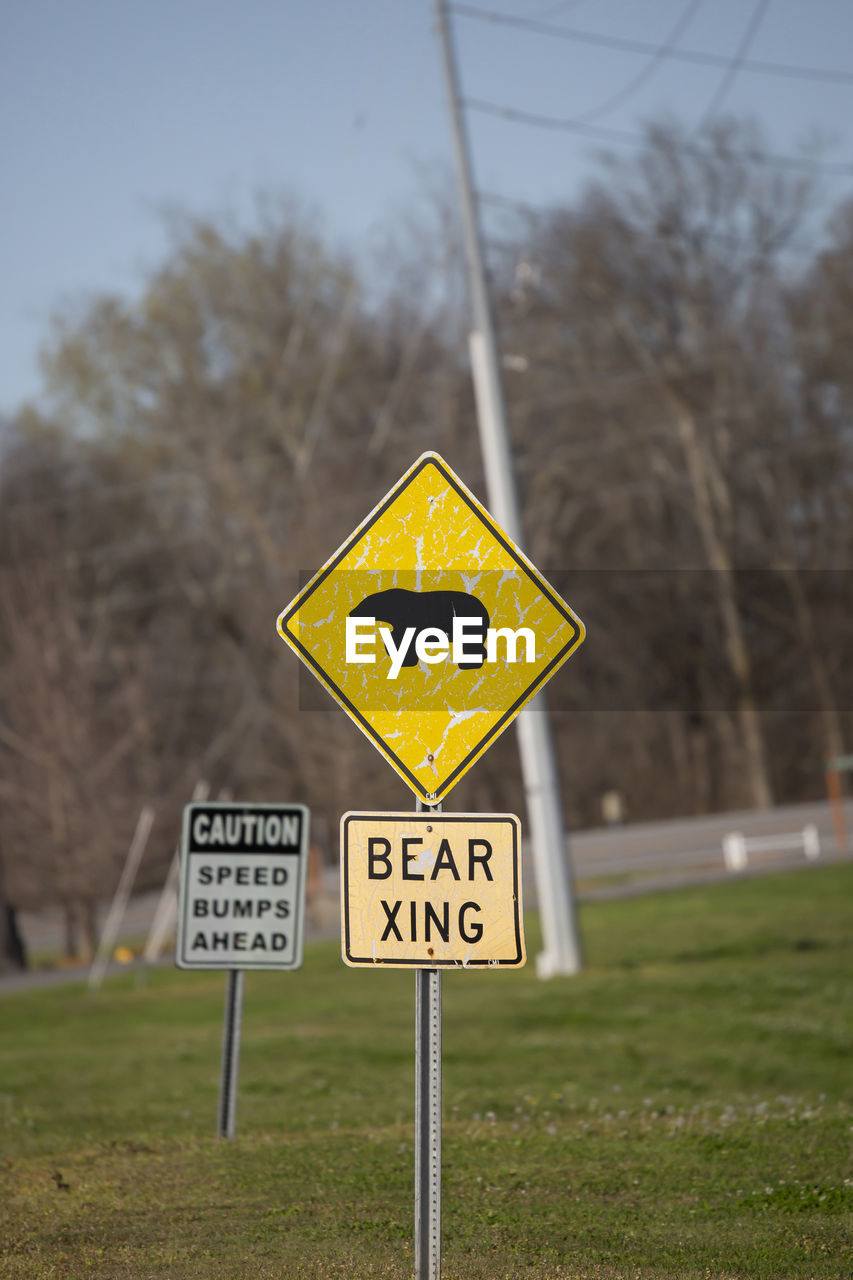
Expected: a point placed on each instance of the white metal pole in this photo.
(115, 915)
(562, 949)
(167, 906)
(166, 913)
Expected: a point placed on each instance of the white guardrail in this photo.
(737, 847)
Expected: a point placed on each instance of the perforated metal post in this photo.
(428, 1117)
(231, 1029)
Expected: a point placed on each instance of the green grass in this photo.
(682, 1109)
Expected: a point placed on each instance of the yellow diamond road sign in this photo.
(423, 890)
(430, 628)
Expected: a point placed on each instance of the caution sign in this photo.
(241, 902)
(430, 628)
(422, 890)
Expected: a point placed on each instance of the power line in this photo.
(554, 10)
(735, 65)
(646, 72)
(628, 45)
(606, 133)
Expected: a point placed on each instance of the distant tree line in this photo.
(677, 364)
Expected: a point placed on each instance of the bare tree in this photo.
(651, 318)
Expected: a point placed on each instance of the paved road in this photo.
(607, 862)
(693, 847)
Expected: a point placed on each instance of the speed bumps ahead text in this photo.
(426, 890)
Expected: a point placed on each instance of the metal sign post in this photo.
(427, 1124)
(231, 1029)
(427, 1117)
(428, 891)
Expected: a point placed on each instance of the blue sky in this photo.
(113, 110)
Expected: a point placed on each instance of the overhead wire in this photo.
(646, 72)
(627, 44)
(735, 65)
(553, 10)
(607, 133)
(583, 123)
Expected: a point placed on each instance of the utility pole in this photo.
(562, 952)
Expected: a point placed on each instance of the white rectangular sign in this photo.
(241, 903)
(430, 890)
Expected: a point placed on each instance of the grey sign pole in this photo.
(427, 1116)
(231, 1028)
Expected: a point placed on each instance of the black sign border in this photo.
(301, 856)
(430, 962)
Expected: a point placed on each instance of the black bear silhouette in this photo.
(421, 609)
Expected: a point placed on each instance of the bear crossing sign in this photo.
(431, 890)
(430, 628)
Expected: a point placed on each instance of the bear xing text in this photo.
(466, 645)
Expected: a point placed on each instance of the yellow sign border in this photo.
(576, 631)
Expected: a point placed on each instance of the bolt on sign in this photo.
(241, 901)
(423, 890)
(430, 628)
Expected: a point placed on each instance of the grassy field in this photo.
(683, 1109)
